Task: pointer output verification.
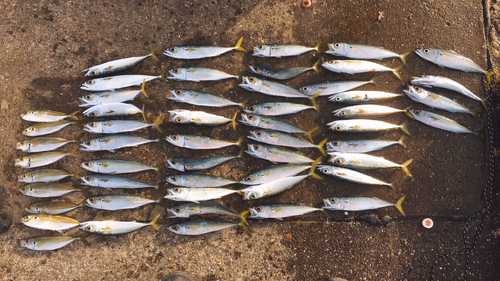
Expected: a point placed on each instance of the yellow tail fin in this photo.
(404, 166)
(239, 141)
(158, 169)
(157, 123)
(400, 141)
(153, 222)
(320, 146)
(313, 168)
(315, 66)
(490, 73)
(233, 120)
(73, 115)
(309, 134)
(313, 99)
(317, 47)
(404, 128)
(244, 103)
(143, 91)
(403, 56)
(243, 216)
(73, 151)
(398, 204)
(324, 211)
(153, 54)
(395, 71)
(238, 47)
(143, 115)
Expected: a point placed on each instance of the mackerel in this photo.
(42, 158)
(365, 125)
(365, 161)
(198, 180)
(440, 122)
(436, 101)
(115, 202)
(200, 118)
(277, 154)
(201, 98)
(450, 59)
(47, 116)
(330, 88)
(51, 207)
(50, 222)
(272, 123)
(282, 50)
(112, 142)
(351, 176)
(203, 208)
(116, 227)
(284, 139)
(45, 175)
(200, 52)
(360, 146)
(359, 203)
(111, 181)
(114, 96)
(358, 66)
(120, 126)
(40, 129)
(197, 74)
(200, 227)
(195, 194)
(271, 188)
(113, 109)
(42, 144)
(45, 190)
(365, 111)
(363, 51)
(188, 164)
(357, 97)
(116, 65)
(277, 108)
(280, 211)
(117, 166)
(446, 83)
(117, 82)
(282, 73)
(200, 142)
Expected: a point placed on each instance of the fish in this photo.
(365, 161)
(197, 74)
(357, 97)
(365, 111)
(200, 52)
(50, 222)
(112, 142)
(113, 109)
(277, 108)
(365, 125)
(200, 118)
(201, 98)
(195, 194)
(273, 123)
(282, 73)
(282, 50)
(120, 126)
(110, 227)
(450, 59)
(351, 176)
(272, 88)
(281, 210)
(439, 121)
(48, 243)
(446, 83)
(200, 142)
(117, 166)
(361, 146)
(276, 172)
(358, 66)
(198, 180)
(111, 181)
(437, 101)
(363, 51)
(189, 164)
(331, 88)
(40, 129)
(42, 158)
(42, 144)
(116, 65)
(276, 154)
(47, 116)
(117, 82)
(113, 202)
(284, 139)
(271, 188)
(45, 190)
(200, 227)
(45, 175)
(51, 207)
(360, 203)
(187, 210)
(113, 96)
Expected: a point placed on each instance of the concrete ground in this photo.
(46, 44)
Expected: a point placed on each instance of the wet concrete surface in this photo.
(46, 45)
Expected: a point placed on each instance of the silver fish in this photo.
(197, 180)
(200, 118)
(47, 116)
(45, 190)
(351, 176)
(365, 161)
(111, 181)
(116, 227)
(272, 123)
(200, 227)
(201, 98)
(120, 126)
(114, 96)
(365, 125)
(42, 158)
(280, 211)
(203, 208)
(365, 111)
(446, 83)
(363, 51)
(40, 129)
(277, 108)
(360, 146)
(113, 109)
(276, 172)
(195, 194)
(197, 74)
(50, 222)
(360, 203)
(436, 101)
(356, 97)
(200, 52)
(330, 88)
(284, 139)
(45, 175)
(117, 166)
(116, 65)
(277, 154)
(51, 207)
(116, 82)
(271, 188)
(47, 243)
(115, 202)
(112, 142)
(282, 73)
(272, 88)
(188, 164)
(440, 122)
(358, 66)
(282, 50)
(42, 144)
(450, 59)
(200, 142)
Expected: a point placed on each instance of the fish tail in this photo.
(491, 73)
(313, 168)
(243, 216)
(162, 74)
(79, 136)
(324, 211)
(153, 222)
(83, 238)
(143, 91)
(483, 101)
(233, 120)
(315, 66)
(479, 132)
(395, 71)
(313, 99)
(239, 142)
(238, 47)
(400, 141)
(398, 204)
(372, 81)
(157, 123)
(477, 112)
(73, 115)
(391, 185)
(317, 47)
(76, 175)
(309, 134)
(404, 127)
(404, 166)
(153, 54)
(244, 103)
(320, 146)
(158, 169)
(245, 228)
(143, 115)
(157, 187)
(73, 152)
(403, 56)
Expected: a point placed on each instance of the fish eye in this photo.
(256, 147)
(258, 209)
(337, 128)
(92, 114)
(251, 79)
(88, 97)
(86, 164)
(174, 162)
(177, 190)
(30, 189)
(343, 113)
(92, 200)
(93, 72)
(248, 178)
(177, 210)
(338, 99)
(337, 45)
(251, 108)
(338, 161)
(426, 51)
(333, 200)
(336, 143)
(178, 92)
(177, 71)
(173, 178)
(250, 117)
(91, 82)
(253, 196)
(174, 227)
(261, 47)
(27, 131)
(417, 88)
(35, 217)
(88, 228)
(26, 218)
(87, 178)
(305, 89)
(324, 171)
(171, 49)
(88, 143)
(174, 137)
(32, 112)
(417, 112)
(258, 133)
(178, 120)
(93, 124)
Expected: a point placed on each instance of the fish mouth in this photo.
(170, 140)
(174, 97)
(336, 113)
(173, 75)
(253, 213)
(174, 214)
(169, 195)
(86, 147)
(88, 111)
(172, 166)
(420, 53)
(246, 194)
(174, 114)
(253, 136)
(170, 181)
(256, 52)
(327, 202)
(86, 103)
(252, 68)
(331, 123)
(88, 128)
(409, 113)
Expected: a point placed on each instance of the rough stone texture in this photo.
(46, 44)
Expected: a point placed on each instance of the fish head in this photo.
(426, 81)
(23, 145)
(417, 114)
(29, 219)
(177, 193)
(94, 127)
(92, 85)
(343, 112)
(428, 54)
(179, 116)
(416, 93)
(174, 51)
(262, 51)
(259, 212)
(334, 65)
(94, 71)
(90, 226)
(337, 126)
(257, 150)
(174, 164)
(336, 145)
(24, 162)
(327, 170)
(26, 190)
(89, 100)
(178, 95)
(250, 119)
(25, 178)
(248, 179)
(257, 135)
(251, 193)
(28, 243)
(338, 49)
(30, 131)
(337, 158)
(178, 180)
(178, 228)
(333, 203)
(310, 90)
(250, 83)
(89, 180)
(89, 166)
(94, 202)
(28, 116)
(252, 109)
(32, 209)
(178, 74)
(341, 97)
(90, 145)
(179, 212)
(255, 69)
(177, 140)
(94, 111)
